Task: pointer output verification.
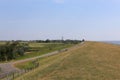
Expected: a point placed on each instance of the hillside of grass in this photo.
(89, 61)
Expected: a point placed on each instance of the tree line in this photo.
(50, 41)
(12, 50)
(59, 41)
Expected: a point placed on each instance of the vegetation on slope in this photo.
(16, 50)
(91, 61)
(37, 49)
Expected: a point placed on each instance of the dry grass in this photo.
(91, 61)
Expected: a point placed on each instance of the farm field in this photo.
(90, 61)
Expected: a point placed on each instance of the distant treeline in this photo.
(59, 41)
(46, 41)
(12, 50)
(49, 41)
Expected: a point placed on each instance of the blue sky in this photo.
(52, 19)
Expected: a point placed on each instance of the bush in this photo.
(12, 50)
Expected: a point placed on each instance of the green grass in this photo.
(48, 47)
(0, 69)
(2, 43)
(37, 49)
(37, 44)
(91, 61)
(25, 65)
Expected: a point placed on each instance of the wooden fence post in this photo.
(13, 76)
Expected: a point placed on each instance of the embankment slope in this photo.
(90, 61)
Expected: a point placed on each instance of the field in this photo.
(90, 61)
(37, 49)
(1, 43)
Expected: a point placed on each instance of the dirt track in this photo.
(7, 68)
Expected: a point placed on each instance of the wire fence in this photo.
(15, 74)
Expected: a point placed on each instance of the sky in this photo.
(51, 19)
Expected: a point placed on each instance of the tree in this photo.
(47, 41)
(12, 50)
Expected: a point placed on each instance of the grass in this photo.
(0, 70)
(33, 44)
(44, 48)
(91, 61)
(2, 43)
(25, 65)
(37, 49)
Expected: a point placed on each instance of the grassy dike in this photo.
(90, 61)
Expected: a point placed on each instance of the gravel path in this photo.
(7, 68)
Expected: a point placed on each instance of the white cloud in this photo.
(59, 1)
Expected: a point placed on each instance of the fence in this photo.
(15, 74)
